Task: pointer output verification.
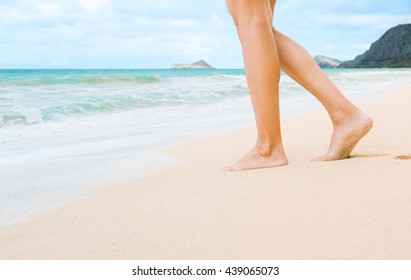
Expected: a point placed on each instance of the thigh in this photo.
(250, 10)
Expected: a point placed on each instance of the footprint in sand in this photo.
(368, 155)
(403, 157)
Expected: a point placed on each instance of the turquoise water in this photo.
(29, 97)
(34, 96)
(66, 131)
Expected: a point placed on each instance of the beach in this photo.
(66, 132)
(357, 208)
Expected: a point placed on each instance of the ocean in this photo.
(63, 132)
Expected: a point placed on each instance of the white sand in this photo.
(358, 208)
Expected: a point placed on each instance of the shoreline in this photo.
(42, 172)
(201, 212)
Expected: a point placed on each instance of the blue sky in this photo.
(156, 33)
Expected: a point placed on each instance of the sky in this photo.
(156, 33)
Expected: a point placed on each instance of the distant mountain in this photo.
(201, 64)
(327, 62)
(393, 49)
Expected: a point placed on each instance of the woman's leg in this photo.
(253, 20)
(350, 124)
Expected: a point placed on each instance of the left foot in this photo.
(346, 135)
(256, 159)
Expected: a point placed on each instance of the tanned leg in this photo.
(350, 124)
(253, 20)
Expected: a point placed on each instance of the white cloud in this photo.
(362, 47)
(217, 21)
(70, 33)
(154, 33)
(92, 6)
(328, 47)
(49, 10)
(372, 19)
(12, 16)
(144, 22)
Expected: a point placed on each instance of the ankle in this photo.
(267, 149)
(340, 117)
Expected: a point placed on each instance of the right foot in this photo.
(256, 159)
(346, 135)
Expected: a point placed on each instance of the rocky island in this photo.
(327, 62)
(392, 50)
(201, 64)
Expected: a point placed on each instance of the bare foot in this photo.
(256, 159)
(346, 135)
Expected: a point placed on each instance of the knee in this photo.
(252, 25)
(250, 16)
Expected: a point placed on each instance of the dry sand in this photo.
(358, 208)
